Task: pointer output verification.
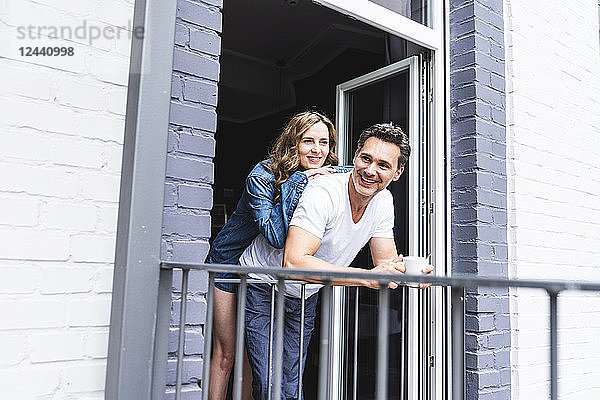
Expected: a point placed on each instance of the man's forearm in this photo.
(314, 263)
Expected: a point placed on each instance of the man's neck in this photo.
(358, 202)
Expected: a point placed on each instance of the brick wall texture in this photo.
(61, 136)
(478, 189)
(188, 190)
(553, 153)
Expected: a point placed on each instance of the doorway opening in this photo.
(279, 58)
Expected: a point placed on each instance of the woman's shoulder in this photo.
(262, 170)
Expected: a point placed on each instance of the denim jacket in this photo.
(257, 212)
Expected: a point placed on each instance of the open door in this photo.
(394, 93)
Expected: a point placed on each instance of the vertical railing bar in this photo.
(278, 347)
(355, 361)
(301, 350)
(324, 345)
(553, 344)
(458, 343)
(208, 325)
(271, 327)
(403, 353)
(239, 338)
(181, 338)
(382, 342)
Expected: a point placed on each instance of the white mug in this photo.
(415, 266)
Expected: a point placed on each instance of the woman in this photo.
(272, 191)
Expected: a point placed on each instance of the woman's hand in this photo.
(312, 173)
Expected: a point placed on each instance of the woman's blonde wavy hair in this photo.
(284, 159)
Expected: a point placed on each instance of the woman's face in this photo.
(314, 146)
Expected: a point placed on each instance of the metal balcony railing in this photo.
(457, 285)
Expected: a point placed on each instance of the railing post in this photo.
(210, 300)
(458, 343)
(278, 345)
(239, 339)
(324, 345)
(301, 349)
(553, 344)
(181, 338)
(161, 342)
(382, 342)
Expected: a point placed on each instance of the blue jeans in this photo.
(258, 309)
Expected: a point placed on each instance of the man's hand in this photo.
(393, 266)
(426, 271)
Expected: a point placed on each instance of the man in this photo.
(335, 217)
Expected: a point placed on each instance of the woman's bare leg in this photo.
(223, 354)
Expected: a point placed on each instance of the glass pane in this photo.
(413, 9)
(384, 101)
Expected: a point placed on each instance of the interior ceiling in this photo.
(259, 33)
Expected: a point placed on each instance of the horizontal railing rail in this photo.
(280, 276)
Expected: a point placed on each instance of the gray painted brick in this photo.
(197, 145)
(464, 215)
(182, 34)
(487, 379)
(491, 233)
(189, 251)
(193, 344)
(201, 92)
(189, 392)
(485, 13)
(463, 77)
(465, 180)
(195, 312)
(206, 42)
(464, 28)
(193, 116)
(170, 197)
(189, 169)
(499, 218)
(498, 340)
(172, 141)
(197, 281)
(191, 372)
(502, 358)
(465, 92)
(465, 232)
(176, 87)
(199, 14)
(464, 127)
(493, 199)
(479, 361)
(461, 12)
(195, 64)
(218, 3)
(195, 197)
(463, 60)
(197, 226)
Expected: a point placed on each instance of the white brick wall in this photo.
(61, 136)
(553, 152)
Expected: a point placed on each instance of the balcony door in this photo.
(394, 93)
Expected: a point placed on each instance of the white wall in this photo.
(553, 153)
(61, 136)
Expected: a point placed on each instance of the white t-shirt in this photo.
(324, 211)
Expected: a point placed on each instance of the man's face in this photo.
(375, 166)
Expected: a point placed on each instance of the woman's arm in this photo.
(273, 217)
